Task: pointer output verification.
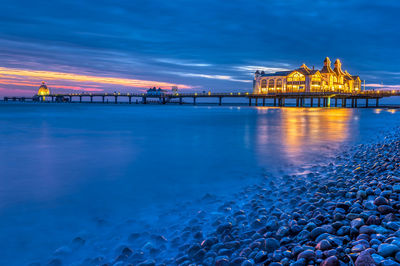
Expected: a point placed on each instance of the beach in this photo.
(344, 213)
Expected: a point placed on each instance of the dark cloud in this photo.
(198, 42)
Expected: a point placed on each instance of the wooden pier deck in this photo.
(314, 99)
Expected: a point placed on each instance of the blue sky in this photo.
(196, 44)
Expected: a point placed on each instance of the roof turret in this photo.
(338, 67)
(327, 66)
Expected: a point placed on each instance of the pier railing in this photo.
(278, 97)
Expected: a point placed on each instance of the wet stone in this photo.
(317, 231)
(386, 250)
(307, 255)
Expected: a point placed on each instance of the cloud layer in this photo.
(196, 44)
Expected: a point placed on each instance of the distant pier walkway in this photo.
(312, 99)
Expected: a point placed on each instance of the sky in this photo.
(131, 45)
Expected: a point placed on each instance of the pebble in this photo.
(386, 250)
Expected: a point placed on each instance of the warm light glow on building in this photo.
(43, 90)
(305, 79)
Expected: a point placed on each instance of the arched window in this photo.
(279, 83)
(271, 83)
(263, 83)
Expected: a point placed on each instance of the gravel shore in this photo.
(343, 213)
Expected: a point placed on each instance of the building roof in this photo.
(280, 73)
(305, 70)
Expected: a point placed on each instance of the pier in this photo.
(303, 99)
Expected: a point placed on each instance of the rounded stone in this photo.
(317, 231)
(365, 259)
(307, 255)
(381, 201)
(386, 250)
(331, 261)
(324, 245)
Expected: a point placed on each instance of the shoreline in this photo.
(340, 213)
(344, 213)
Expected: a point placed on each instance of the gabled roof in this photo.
(327, 69)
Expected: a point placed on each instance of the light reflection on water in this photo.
(64, 165)
(300, 133)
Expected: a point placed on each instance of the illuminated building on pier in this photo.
(305, 79)
(43, 90)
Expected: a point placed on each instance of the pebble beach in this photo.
(343, 213)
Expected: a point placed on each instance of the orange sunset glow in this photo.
(70, 81)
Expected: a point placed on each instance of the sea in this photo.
(65, 167)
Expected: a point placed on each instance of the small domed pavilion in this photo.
(43, 90)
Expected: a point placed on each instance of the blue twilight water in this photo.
(63, 167)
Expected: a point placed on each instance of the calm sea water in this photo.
(62, 167)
